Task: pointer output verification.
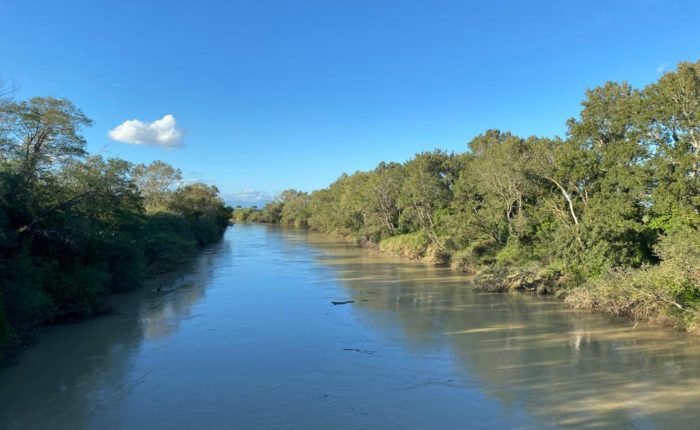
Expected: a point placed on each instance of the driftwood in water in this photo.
(343, 303)
(364, 351)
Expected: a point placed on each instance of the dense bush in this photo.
(411, 245)
(668, 292)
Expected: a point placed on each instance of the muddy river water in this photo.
(246, 337)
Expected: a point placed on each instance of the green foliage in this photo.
(156, 182)
(272, 212)
(78, 291)
(74, 228)
(294, 208)
(427, 189)
(240, 214)
(476, 254)
(668, 292)
(203, 209)
(514, 253)
(168, 241)
(26, 301)
(411, 245)
(44, 130)
(604, 204)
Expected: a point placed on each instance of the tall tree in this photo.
(385, 183)
(426, 190)
(498, 172)
(672, 121)
(156, 181)
(41, 132)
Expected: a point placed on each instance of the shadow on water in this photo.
(567, 368)
(68, 364)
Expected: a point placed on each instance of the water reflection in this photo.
(569, 369)
(246, 337)
(177, 293)
(76, 372)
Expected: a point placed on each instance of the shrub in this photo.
(476, 254)
(668, 292)
(412, 245)
(78, 291)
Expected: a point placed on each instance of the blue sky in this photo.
(280, 94)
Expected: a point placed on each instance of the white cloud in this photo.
(662, 68)
(251, 196)
(162, 132)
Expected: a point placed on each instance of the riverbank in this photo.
(630, 294)
(608, 215)
(633, 293)
(167, 261)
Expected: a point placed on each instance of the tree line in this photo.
(608, 216)
(75, 227)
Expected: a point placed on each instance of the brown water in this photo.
(246, 337)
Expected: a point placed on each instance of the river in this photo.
(246, 337)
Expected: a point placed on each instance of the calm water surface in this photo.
(246, 337)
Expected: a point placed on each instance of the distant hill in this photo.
(247, 203)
